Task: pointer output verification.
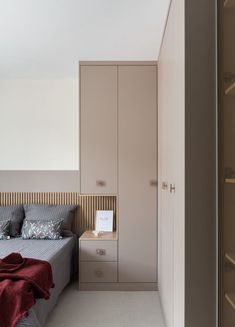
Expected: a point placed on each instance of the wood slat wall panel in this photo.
(87, 205)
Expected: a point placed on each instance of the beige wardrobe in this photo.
(118, 144)
(187, 165)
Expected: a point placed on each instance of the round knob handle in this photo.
(99, 273)
(100, 251)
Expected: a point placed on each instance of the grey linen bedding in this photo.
(59, 254)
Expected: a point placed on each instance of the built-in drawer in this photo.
(98, 250)
(98, 272)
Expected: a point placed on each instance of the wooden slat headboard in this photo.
(87, 205)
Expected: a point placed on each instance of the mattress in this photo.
(59, 254)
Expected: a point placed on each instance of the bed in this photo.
(60, 254)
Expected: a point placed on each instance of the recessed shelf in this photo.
(230, 180)
(230, 257)
(230, 297)
(230, 89)
(229, 3)
(229, 82)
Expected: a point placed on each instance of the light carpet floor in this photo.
(106, 309)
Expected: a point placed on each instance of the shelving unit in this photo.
(230, 257)
(230, 297)
(226, 55)
(229, 3)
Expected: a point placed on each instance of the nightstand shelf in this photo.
(90, 236)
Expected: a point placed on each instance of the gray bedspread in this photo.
(59, 254)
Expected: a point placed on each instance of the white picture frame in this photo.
(104, 221)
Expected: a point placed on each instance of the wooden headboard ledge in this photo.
(84, 215)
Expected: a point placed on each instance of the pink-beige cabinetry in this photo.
(97, 259)
(119, 156)
(98, 129)
(137, 173)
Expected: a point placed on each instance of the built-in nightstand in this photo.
(97, 258)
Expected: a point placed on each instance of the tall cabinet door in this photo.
(137, 173)
(98, 125)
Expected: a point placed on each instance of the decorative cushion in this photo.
(15, 214)
(41, 229)
(52, 212)
(4, 229)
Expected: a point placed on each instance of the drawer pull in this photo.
(164, 185)
(100, 251)
(100, 183)
(99, 273)
(172, 188)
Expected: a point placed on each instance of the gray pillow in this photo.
(41, 229)
(52, 212)
(15, 214)
(4, 229)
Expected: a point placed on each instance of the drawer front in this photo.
(98, 250)
(98, 272)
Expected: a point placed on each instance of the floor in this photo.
(106, 309)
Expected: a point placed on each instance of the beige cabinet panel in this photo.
(98, 272)
(98, 125)
(98, 250)
(137, 173)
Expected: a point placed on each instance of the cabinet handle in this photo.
(153, 182)
(172, 188)
(164, 185)
(100, 183)
(98, 273)
(100, 251)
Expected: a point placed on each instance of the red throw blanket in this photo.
(22, 281)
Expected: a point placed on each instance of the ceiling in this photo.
(47, 38)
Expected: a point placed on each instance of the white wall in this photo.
(171, 156)
(39, 124)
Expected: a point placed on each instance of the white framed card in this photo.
(104, 221)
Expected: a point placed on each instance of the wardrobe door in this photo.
(137, 173)
(98, 125)
(165, 199)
